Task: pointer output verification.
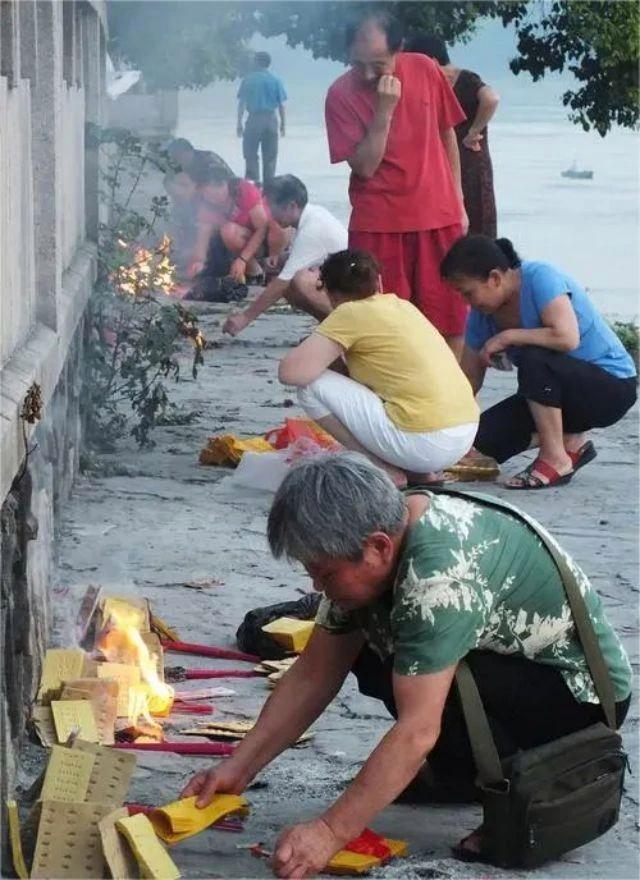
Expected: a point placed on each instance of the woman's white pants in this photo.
(362, 413)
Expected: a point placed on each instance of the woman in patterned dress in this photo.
(479, 102)
(412, 585)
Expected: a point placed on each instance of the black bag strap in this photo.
(485, 753)
(583, 624)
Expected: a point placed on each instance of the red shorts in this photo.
(410, 264)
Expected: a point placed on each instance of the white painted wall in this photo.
(17, 257)
(51, 84)
(72, 172)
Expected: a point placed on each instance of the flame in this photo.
(150, 270)
(121, 642)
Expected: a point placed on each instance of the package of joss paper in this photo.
(293, 430)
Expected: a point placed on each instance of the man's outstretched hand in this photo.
(235, 324)
(304, 850)
(224, 779)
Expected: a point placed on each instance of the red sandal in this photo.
(530, 481)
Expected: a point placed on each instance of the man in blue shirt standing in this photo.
(260, 95)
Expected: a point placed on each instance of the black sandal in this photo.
(584, 455)
(528, 480)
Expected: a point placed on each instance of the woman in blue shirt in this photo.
(573, 372)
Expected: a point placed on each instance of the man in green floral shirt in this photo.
(473, 577)
(412, 584)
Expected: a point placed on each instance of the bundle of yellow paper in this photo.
(154, 861)
(474, 468)
(183, 819)
(117, 852)
(102, 695)
(60, 664)
(228, 449)
(347, 863)
(67, 775)
(75, 716)
(292, 634)
(15, 840)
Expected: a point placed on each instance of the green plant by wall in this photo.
(134, 334)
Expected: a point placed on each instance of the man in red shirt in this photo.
(392, 118)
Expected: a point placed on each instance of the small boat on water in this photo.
(575, 173)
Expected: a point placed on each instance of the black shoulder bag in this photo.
(545, 801)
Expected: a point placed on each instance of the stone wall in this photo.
(51, 86)
(28, 519)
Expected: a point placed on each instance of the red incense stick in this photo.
(220, 750)
(208, 651)
(192, 708)
(192, 674)
(233, 825)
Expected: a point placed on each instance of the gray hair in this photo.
(329, 504)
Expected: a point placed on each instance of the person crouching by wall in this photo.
(573, 372)
(182, 222)
(405, 402)
(234, 227)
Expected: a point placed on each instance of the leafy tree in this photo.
(181, 43)
(320, 26)
(189, 44)
(597, 42)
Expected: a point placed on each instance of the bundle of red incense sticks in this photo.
(218, 750)
(208, 651)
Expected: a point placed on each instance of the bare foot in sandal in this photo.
(470, 848)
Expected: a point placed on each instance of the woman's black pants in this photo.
(527, 704)
(588, 396)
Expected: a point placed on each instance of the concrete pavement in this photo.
(148, 521)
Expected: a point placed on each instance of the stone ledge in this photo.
(41, 359)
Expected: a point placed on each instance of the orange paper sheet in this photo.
(346, 863)
(229, 449)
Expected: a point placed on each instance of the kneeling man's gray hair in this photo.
(328, 505)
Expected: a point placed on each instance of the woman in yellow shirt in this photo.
(405, 402)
